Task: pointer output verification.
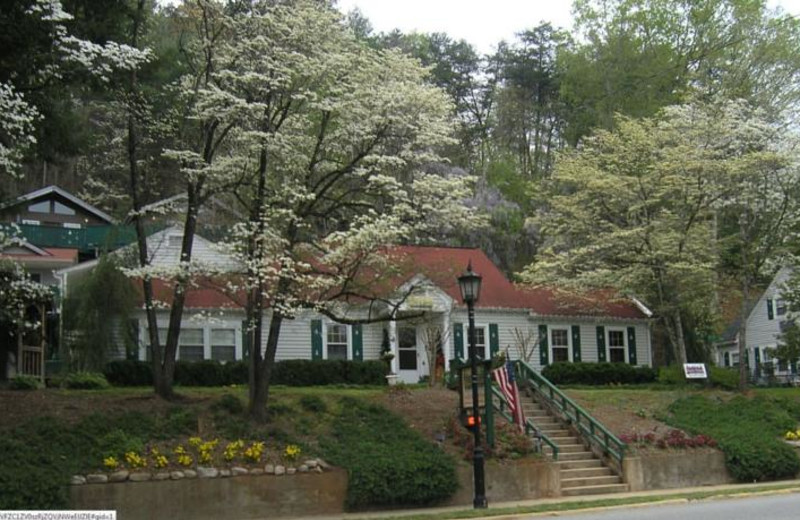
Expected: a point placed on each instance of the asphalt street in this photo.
(773, 507)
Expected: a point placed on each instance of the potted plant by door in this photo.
(387, 356)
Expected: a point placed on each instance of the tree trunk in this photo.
(136, 203)
(260, 392)
(680, 345)
(742, 336)
(164, 387)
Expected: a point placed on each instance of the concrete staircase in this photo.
(582, 473)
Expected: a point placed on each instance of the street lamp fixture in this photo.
(470, 285)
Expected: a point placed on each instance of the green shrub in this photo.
(129, 372)
(117, 442)
(21, 382)
(598, 374)
(671, 375)
(200, 373)
(85, 381)
(230, 403)
(388, 464)
(721, 377)
(305, 372)
(748, 432)
(313, 403)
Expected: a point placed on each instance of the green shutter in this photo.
(358, 342)
(601, 344)
(458, 340)
(793, 366)
(632, 345)
(770, 312)
(316, 339)
(747, 357)
(757, 355)
(494, 339)
(727, 359)
(544, 349)
(245, 341)
(576, 343)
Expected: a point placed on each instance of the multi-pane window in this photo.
(735, 359)
(223, 344)
(199, 343)
(407, 347)
(337, 341)
(190, 345)
(559, 344)
(480, 342)
(616, 346)
(780, 307)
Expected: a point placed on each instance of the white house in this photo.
(424, 297)
(767, 319)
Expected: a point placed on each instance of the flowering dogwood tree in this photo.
(637, 208)
(329, 145)
(18, 117)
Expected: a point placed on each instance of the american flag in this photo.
(508, 385)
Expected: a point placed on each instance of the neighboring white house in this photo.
(768, 318)
(561, 327)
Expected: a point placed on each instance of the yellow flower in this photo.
(160, 461)
(195, 441)
(185, 460)
(292, 451)
(134, 460)
(254, 451)
(179, 450)
(110, 463)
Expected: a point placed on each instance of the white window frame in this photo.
(568, 330)
(349, 330)
(144, 342)
(609, 330)
(485, 329)
(734, 359)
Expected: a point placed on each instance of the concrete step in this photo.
(580, 455)
(594, 490)
(569, 448)
(601, 471)
(589, 481)
(567, 465)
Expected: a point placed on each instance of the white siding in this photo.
(760, 329)
(165, 247)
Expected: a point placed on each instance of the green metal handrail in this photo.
(530, 427)
(585, 423)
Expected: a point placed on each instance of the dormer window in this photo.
(61, 209)
(40, 207)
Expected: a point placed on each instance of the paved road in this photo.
(775, 507)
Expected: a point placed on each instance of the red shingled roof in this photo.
(442, 266)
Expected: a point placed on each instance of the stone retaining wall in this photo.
(232, 498)
(689, 468)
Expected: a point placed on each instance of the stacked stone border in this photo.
(203, 472)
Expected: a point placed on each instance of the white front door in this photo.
(409, 353)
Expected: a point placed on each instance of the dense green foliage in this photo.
(20, 382)
(297, 372)
(749, 432)
(94, 314)
(719, 377)
(40, 456)
(388, 463)
(85, 381)
(598, 374)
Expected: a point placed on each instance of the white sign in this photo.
(695, 371)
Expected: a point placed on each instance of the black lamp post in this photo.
(470, 285)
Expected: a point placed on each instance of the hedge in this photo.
(720, 377)
(296, 372)
(598, 374)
